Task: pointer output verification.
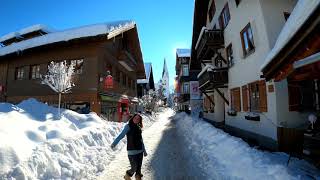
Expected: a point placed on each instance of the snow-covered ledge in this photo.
(208, 67)
(200, 35)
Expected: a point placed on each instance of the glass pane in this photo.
(245, 41)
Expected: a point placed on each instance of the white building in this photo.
(231, 39)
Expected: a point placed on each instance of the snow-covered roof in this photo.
(299, 15)
(110, 29)
(183, 53)
(147, 68)
(27, 30)
(208, 67)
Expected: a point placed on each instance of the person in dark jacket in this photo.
(135, 145)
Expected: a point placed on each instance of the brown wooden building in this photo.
(96, 49)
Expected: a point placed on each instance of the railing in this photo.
(210, 38)
(213, 79)
(184, 97)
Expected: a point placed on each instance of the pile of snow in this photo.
(36, 145)
(221, 156)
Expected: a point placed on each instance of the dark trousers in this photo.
(135, 162)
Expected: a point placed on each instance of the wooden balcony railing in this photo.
(216, 78)
(210, 40)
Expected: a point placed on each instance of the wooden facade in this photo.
(120, 55)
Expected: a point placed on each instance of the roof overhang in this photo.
(199, 20)
(281, 65)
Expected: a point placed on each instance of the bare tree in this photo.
(59, 78)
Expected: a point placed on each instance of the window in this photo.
(186, 88)
(258, 96)
(235, 99)
(185, 70)
(224, 17)
(254, 96)
(35, 72)
(229, 53)
(211, 11)
(247, 40)
(19, 73)
(78, 65)
(286, 15)
(303, 95)
(238, 2)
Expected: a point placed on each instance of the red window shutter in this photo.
(245, 98)
(294, 97)
(263, 104)
(235, 99)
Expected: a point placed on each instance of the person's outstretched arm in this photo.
(121, 135)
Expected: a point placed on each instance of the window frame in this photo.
(185, 67)
(245, 31)
(254, 96)
(35, 75)
(186, 84)
(224, 17)
(20, 75)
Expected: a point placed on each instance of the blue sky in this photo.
(163, 25)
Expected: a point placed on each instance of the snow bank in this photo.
(35, 145)
(221, 156)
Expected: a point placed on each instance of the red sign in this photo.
(108, 82)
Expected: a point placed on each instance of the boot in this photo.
(138, 176)
(127, 177)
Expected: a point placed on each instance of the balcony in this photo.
(211, 78)
(184, 98)
(209, 41)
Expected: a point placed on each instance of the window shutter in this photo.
(245, 98)
(294, 97)
(235, 99)
(263, 105)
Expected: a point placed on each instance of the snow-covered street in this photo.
(165, 159)
(36, 145)
(181, 147)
